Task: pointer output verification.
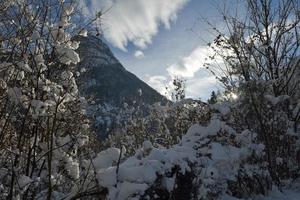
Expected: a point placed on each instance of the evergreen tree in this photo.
(213, 98)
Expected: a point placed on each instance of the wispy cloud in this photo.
(196, 87)
(135, 21)
(199, 81)
(189, 65)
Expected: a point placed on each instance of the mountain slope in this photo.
(106, 79)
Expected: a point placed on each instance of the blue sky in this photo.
(160, 39)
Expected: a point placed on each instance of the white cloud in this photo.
(201, 87)
(199, 81)
(159, 83)
(139, 54)
(189, 65)
(196, 87)
(135, 21)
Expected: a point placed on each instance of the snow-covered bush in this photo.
(209, 161)
(162, 125)
(43, 130)
(260, 69)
